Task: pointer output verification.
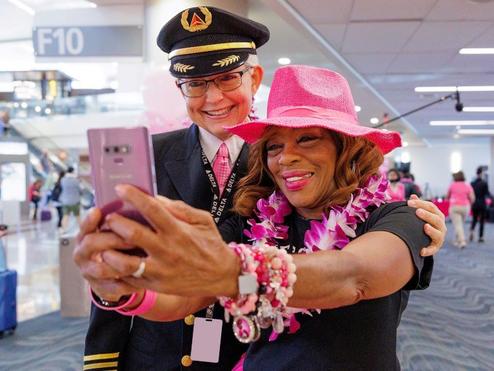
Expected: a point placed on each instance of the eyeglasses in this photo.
(226, 82)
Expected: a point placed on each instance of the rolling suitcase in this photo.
(45, 215)
(8, 305)
(8, 290)
(74, 292)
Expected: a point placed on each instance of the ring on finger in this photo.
(140, 270)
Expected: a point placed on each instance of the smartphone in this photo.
(120, 156)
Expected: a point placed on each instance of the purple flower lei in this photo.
(332, 232)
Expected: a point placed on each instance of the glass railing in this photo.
(100, 103)
(22, 111)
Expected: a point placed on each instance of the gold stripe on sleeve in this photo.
(94, 366)
(94, 357)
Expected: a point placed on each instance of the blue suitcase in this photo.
(8, 305)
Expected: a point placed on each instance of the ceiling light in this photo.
(476, 51)
(21, 5)
(374, 120)
(75, 4)
(284, 60)
(478, 109)
(461, 122)
(47, 110)
(37, 109)
(452, 89)
(456, 136)
(476, 131)
(358, 108)
(404, 143)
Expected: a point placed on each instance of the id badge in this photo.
(206, 340)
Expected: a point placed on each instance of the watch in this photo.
(111, 305)
(247, 284)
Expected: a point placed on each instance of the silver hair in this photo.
(252, 60)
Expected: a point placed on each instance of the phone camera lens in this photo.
(116, 149)
(107, 149)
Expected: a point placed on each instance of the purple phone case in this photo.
(120, 156)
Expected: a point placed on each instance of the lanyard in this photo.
(219, 201)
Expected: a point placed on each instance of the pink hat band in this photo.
(311, 112)
(304, 96)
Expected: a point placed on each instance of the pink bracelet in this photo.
(147, 303)
(105, 304)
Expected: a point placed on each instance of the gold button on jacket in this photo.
(189, 320)
(186, 361)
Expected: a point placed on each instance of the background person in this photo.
(396, 189)
(479, 206)
(70, 198)
(34, 194)
(411, 188)
(55, 197)
(460, 196)
(4, 123)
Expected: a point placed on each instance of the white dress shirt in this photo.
(210, 145)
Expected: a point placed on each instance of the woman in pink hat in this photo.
(318, 267)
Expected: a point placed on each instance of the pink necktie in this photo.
(221, 166)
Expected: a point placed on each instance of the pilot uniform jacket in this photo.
(114, 341)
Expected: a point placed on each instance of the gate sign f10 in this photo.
(88, 41)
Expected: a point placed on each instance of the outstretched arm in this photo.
(190, 259)
(374, 265)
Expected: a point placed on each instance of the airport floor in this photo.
(450, 326)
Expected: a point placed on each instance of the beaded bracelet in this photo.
(275, 272)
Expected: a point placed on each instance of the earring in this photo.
(354, 166)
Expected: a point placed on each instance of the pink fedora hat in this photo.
(304, 96)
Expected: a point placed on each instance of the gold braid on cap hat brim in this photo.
(211, 48)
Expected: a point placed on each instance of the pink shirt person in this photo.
(396, 190)
(459, 193)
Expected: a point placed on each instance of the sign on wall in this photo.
(88, 41)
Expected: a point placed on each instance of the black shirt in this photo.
(481, 190)
(356, 337)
